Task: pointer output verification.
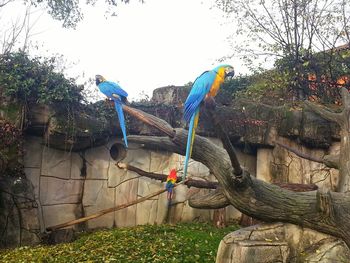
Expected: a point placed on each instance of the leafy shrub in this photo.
(34, 80)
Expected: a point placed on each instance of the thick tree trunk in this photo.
(326, 212)
(343, 120)
(344, 161)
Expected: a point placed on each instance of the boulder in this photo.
(279, 242)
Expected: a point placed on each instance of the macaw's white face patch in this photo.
(229, 72)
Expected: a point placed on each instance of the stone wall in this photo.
(69, 185)
(278, 242)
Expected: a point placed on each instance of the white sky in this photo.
(146, 46)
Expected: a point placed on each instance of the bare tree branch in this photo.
(106, 211)
(4, 2)
(20, 28)
(298, 153)
(324, 113)
(331, 161)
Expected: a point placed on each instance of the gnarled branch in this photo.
(257, 198)
(331, 161)
(343, 119)
(324, 113)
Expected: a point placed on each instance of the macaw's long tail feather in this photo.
(119, 109)
(190, 139)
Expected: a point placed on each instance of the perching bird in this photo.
(114, 92)
(170, 182)
(206, 85)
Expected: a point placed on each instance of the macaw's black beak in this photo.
(230, 73)
(98, 79)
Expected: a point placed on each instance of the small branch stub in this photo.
(210, 107)
(325, 204)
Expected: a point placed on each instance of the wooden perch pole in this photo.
(162, 177)
(295, 187)
(106, 211)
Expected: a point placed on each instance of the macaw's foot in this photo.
(109, 102)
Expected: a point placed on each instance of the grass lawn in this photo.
(192, 242)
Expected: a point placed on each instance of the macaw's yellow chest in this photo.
(219, 79)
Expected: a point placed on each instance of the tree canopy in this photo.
(69, 12)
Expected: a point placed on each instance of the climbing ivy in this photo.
(10, 149)
(26, 81)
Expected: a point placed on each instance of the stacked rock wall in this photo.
(70, 185)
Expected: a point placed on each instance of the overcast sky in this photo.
(146, 46)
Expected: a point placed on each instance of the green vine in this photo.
(10, 149)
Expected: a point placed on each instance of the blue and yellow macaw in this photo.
(114, 92)
(206, 85)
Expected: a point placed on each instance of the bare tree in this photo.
(4, 2)
(69, 12)
(17, 33)
(292, 31)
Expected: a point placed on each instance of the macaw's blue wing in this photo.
(113, 91)
(109, 88)
(119, 108)
(200, 89)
